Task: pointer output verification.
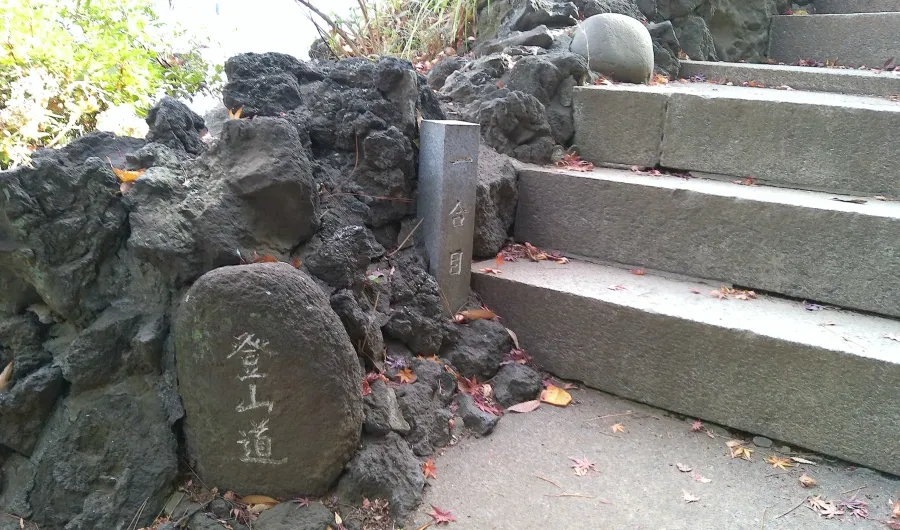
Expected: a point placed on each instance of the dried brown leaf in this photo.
(689, 497)
(6, 375)
(807, 481)
(684, 468)
(527, 406)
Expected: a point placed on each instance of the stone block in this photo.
(817, 141)
(269, 380)
(619, 124)
(448, 176)
(856, 6)
(765, 366)
(861, 39)
(839, 80)
(796, 243)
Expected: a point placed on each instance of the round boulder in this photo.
(269, 380)
(616, 46)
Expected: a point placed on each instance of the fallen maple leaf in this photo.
(265, 258)
(807, 481)
(697, 426)
(407, 376)
(125, 175)
(684, 468)
(428, 469)
(638, 272)
(236, 114)
(857, 507)
(659, 79)
(441, 516)
(701, 479)
(738, 450)
(527, 406)
(711, 434)
(574, 162)
(779, 463)
(582, 466)
(467, 386)
(490, 271)
(618, 427)
(499, 259)
(301, 502)
(555, 396)
(826, 509)
(895, 510)
(474, 314)
(688, 497)
(296, 263)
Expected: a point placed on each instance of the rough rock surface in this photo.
(478, 421)
(477, 349)
(91, 274)
(385, 468)
(495, 206)
(429, 421)
(616, 46)
(516, 383)
(382, 412)
(289, 516)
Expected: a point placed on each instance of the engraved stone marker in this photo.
(269, 380)
(448, 175)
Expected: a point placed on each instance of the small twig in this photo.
(545, 479)
(405, 239)
(136, 520)
(763, 525)
(629, 413)
(794, 508)
(853, 490)
(401, 199)
(331, 23)
(581, 495)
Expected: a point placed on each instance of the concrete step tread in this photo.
(832, 329)
(712, 90)
(800, 244)
(856, 6)
(842, 80)
(517, 477)
(824, 380)
(768, 194)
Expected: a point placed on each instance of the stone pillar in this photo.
(448, 175)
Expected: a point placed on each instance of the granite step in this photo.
(856, 6)
(806, 140)
(824, 380)
(855, 39)
(839, 80)
(799, 244)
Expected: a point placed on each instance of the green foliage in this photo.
(418, 30)
(64, 62)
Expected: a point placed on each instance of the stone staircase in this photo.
(792, 194)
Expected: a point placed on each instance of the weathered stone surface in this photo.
(867, 39)
(103, 455)
(589, 8)
(762, 441)
(840, 80)
(25, 407)
(856, 6)
(289, 516)
(266, 165)
(647, 349)
(516, 124)
(539, 36)
(665, 49)
(632, 138)
(616, 46)
(430, 424)
(477, 348)
(448, 177)
(385, 468)
(478, 421)
(703, 124)
(382, 412)
(516, 383)
(363, 327)
(264, 341)
(417, 309)
(695, 39)
(64, 252)
(442, 70)
(341, 260)
(176, 126)
(495, 203)
(698, 228)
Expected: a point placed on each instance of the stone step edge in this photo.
(805, 78)
(743, 364)
(652, 107)
(582, 213)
